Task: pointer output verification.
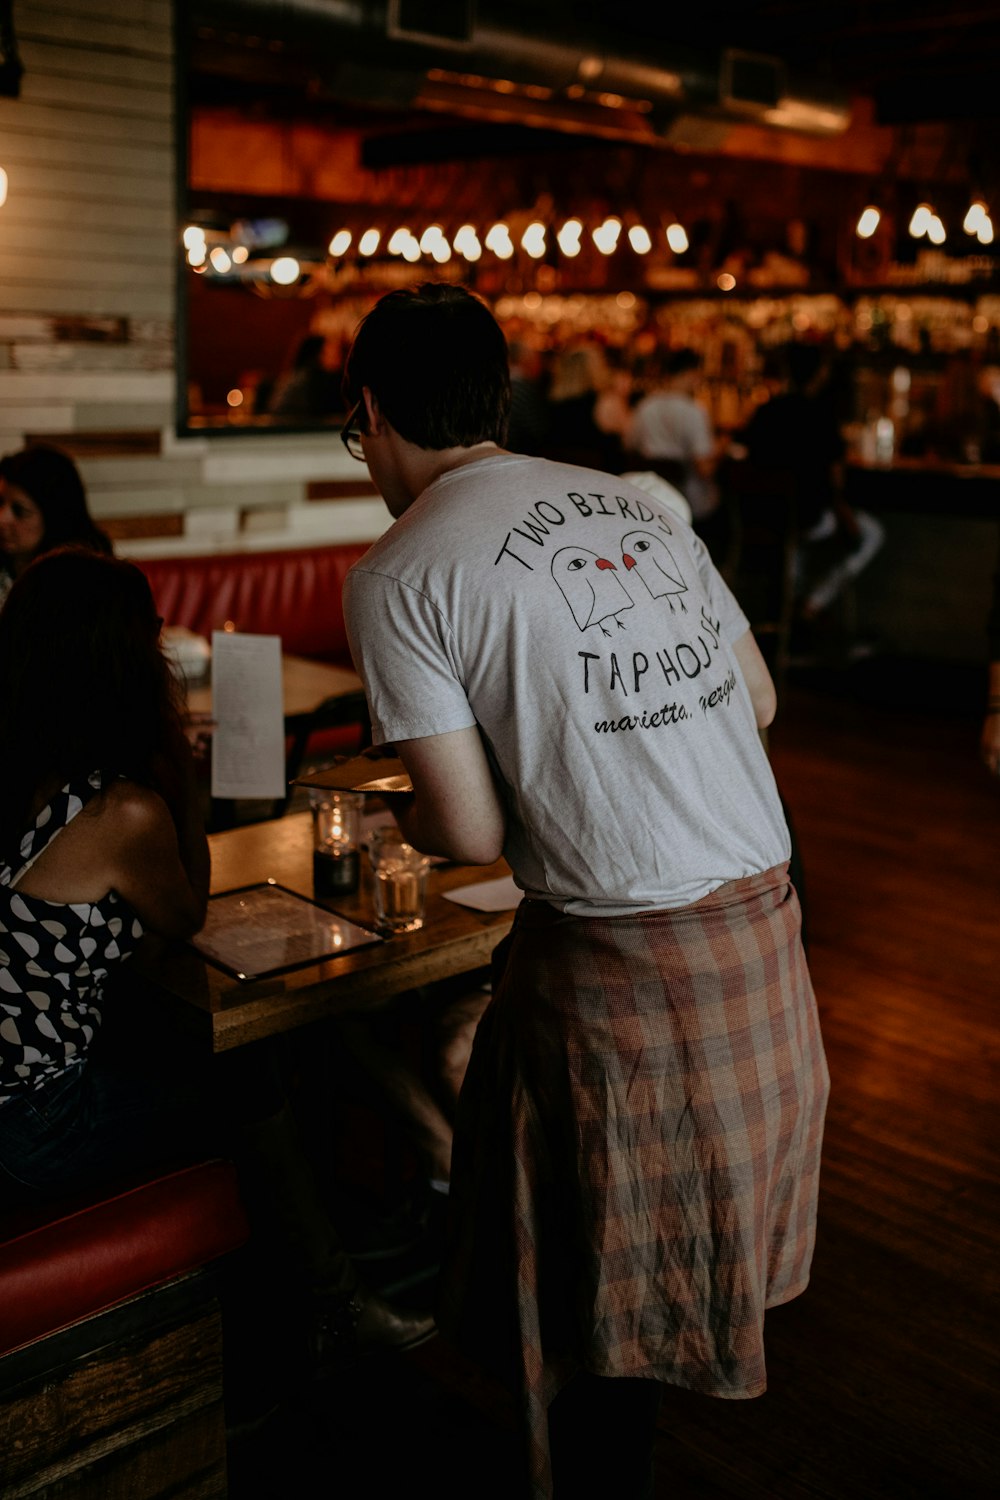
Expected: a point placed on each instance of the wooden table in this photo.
(305, 685)
(230, 1013)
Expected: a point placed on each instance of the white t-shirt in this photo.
(586, 631)
(669, 424)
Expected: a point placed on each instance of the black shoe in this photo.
(363, 1327)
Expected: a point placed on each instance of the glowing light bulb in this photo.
(921, 221)
(411, 249)
(499, 241)
(568, 238)
(193, 236)
(726, 281)
(441, 251)
(432, 235)
(533, 240)
(240, 255)
(341, 242)
(397, 240)
(868, 223)
(466, 242)
(974, 217)
(235, 397)
(220, 260)
(368, 243)
(285, 270)
(677, 238)
(936, 231)
(196, 255)
(984, 234)
(639, 239)
(605, 236)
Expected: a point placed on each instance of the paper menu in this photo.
(248, 745)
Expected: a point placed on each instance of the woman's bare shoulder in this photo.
(135, 809)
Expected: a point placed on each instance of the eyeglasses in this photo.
(350, 433)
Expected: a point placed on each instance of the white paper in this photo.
(487, 895)
(248, 745)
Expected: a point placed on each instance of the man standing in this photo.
(670, 426)
(568, 681)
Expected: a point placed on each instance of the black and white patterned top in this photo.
(54, 958)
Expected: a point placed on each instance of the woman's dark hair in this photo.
(83, 682)
(436, 359)
(50, 478)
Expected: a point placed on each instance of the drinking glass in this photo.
(400, 881)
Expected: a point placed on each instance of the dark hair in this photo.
(679, 361)
(436, 359)
(50, 478)
(803, 363)
(83, 681)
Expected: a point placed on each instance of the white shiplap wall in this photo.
(87, 255)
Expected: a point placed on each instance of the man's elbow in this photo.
(765, 706)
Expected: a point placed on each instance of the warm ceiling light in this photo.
(240, 255)
(677, 238)
(639, 239)
(441, 251)
(220, 260)
(466, 242)
(726, 281)
(368, 243)
(432, 235)
(921, 221)
(984, 234)
(397, 240)
(192, 236)
(568, 238)
(341, 242)
(411, 249)
(606, 235)
(196, 255)
(533, 240)
(285, 270)
(499, 241)
(974, 217)
(936, 231)
(235, 397)
(867, 223)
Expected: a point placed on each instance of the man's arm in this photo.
(455, 809)
(757, 678)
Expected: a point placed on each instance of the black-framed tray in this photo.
(259, 930)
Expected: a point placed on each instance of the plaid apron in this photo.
(637, 1151)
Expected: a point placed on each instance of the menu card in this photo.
(376, 770)
(248, 746)
(266, 929)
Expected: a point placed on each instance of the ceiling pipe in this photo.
(398, 51)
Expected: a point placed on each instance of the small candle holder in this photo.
(400, 881)
(336, 833)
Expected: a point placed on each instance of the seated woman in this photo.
(101, 839)
(42, 505)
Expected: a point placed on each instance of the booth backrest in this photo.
(294, 593)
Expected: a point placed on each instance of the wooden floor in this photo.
(883, 1377)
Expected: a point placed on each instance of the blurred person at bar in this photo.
(672, 430)
(796, 434)
(569, 682)
(42, 505)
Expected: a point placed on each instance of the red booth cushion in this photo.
(294, 593)
(68, 1261)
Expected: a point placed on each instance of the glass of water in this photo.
(400, 881)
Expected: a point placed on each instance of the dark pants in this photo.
(601, 1437)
